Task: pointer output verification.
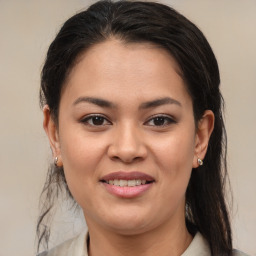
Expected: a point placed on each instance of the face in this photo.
(127, 138)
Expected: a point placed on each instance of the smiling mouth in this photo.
(127, 179)
(127, 183)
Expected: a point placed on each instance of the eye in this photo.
(160, 121)
(95, 120)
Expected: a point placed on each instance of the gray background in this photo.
(26, 30)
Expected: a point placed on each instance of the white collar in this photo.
(77, 246)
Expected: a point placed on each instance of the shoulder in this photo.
(238, 253)
(199, 246)
(76, 246)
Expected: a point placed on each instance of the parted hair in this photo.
(138, 21)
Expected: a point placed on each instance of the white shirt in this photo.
(77, 246)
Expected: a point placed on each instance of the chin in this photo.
(129, 229)
(125, 221)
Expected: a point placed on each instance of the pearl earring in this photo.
(200, 161)
(56, 161)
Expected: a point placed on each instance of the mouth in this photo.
(127, 179)
(127, 184)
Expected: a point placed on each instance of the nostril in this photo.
(125, 157)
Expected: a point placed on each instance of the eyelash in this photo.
(88, 120)
(167, 120)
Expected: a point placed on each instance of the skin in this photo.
(129, 138)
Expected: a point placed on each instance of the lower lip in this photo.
(127, 192)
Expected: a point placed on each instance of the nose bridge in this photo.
(127, 143)
(127, 136)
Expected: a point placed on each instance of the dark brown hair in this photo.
(159, 24)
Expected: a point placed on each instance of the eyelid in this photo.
(85, 119)
(171, 119)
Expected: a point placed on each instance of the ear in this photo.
(52, 133)
(203, 134)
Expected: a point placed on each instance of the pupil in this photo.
(97, 120)
(159, 121)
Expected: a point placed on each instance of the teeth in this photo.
(116, 182)
(126, 183)
(138, 182)
(131, 183)
(123, 183)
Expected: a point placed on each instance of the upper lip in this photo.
(121, 175)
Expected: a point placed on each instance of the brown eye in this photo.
(160, 121)
(95, 120)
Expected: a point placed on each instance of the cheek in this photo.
(80, 151)
(176, 153)
(81, 156)
(174, 156)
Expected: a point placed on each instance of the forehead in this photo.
(113, 67)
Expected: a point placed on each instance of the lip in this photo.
(127, 192)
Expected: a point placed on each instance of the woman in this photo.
(133, 113)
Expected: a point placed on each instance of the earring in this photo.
(200, 161)
(56, 161)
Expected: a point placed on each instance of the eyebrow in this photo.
(96, 101)
(107, 104)
(159, 102)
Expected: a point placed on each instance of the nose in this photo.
(127, 144)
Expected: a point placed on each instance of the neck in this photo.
(164, 241)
